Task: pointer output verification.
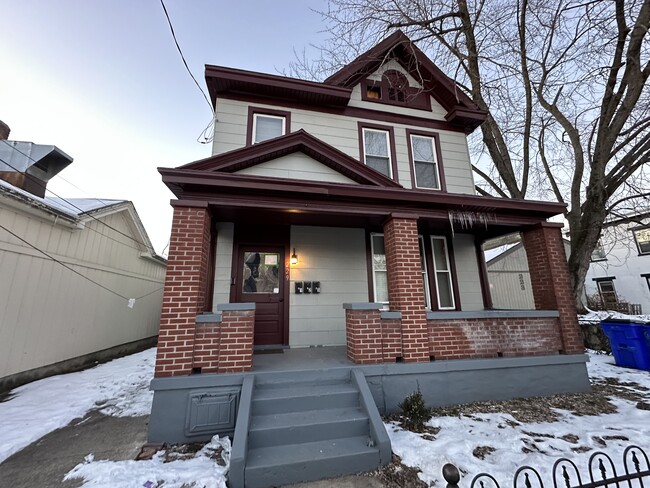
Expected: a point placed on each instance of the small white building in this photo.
(63, 264)
(619, 273)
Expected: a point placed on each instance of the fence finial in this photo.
(451, 475)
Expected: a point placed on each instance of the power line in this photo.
(171, 27)
(44, 186)
(206, 138)
(75, 271)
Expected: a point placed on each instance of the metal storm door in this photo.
(261, 280)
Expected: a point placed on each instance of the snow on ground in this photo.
(595, 316)
(534, 444)
(199, 471)
(119, 388)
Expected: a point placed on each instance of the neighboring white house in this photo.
(620, 267)
(51, 318)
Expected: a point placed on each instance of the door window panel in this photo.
(442, 274)
(261, 272)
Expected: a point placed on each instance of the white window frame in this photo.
(374, 281)
(425, 273)
(268, 116)
(638, 243)
(601, 293)
(448, 271)
(386, 133)
(435, 161)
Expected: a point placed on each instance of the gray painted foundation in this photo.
(193, 408)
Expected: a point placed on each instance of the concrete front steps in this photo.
(305, 426)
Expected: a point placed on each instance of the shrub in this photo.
(414, 412)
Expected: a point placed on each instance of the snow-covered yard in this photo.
(494, 437)
(500, 442)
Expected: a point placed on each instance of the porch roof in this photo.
(246, 198)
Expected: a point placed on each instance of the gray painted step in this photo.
(296, 398)
(294, 463)
(307, 426)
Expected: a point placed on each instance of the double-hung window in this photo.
(379, 273)
(377, 151)
(442, 273)
(268, 127)
(425, 162)
(425, 275)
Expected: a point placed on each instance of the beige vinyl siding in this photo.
(297, 166)
(49, 314)
(506, 274)
(342, 132)
(223, 263)
(337, 258)
(469, 284)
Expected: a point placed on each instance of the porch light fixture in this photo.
(294, 257)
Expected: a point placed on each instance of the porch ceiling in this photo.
(239, 198)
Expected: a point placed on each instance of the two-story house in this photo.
(619, 273)
(336, 225)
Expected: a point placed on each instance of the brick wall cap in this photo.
(363, 306)
(208, 318)
(235, 307)
(387, 315)
(408, 216)
(492, 314)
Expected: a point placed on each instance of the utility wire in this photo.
(75, 271)
(41, 184)
(204, 133)
(171, 27)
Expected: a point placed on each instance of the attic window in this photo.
(394, 89)
(373, 92)
(398, 86)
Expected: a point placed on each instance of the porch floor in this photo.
(301, 359)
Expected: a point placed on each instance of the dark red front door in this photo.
(261, 280)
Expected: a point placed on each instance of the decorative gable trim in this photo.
(461, 109)
(299, 141)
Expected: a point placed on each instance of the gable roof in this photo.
(460, 107)
(299, 141)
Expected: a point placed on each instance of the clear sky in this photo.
(103, 81)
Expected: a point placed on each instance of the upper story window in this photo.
(265, 124)
(598, 253)
(426, 168)
(267, 127)
(377, 148)
(393, 88)
(642, 237)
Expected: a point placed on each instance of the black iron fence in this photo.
(565, 473)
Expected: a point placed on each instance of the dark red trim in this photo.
(604, 278)
(356, 113)
(185, 181)
(391, 141)
(221, 80)
(265, 111)
(420, 67)
(209, 288)
(299, 141)
(483, 275)
(441, 170)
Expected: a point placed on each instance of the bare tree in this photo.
(565, 85)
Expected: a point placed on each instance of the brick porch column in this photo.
(550, 280)
(405, 288)
(184, 293)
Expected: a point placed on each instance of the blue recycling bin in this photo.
(630, 341)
